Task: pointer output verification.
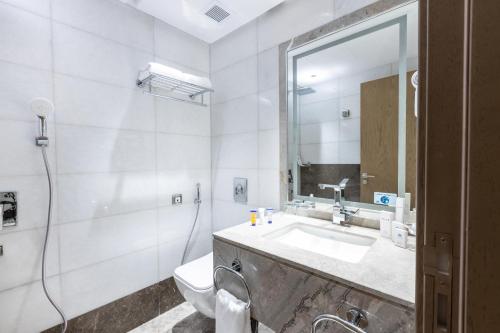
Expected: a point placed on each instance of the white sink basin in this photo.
(340, 245)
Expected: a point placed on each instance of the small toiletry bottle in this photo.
(262, 215)
(253, 217)
(400, 207)
(269, 213)
(399, 235)
(386, 223)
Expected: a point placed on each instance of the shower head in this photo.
(197, 200)
(42, 107)
(305, 91)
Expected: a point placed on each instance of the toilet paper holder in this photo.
(234, 271)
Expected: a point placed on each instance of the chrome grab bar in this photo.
(351, 326)
(239, 275)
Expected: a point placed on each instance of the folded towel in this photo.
(231, 314)
(174, 73)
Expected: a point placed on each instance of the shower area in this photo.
(95, 154)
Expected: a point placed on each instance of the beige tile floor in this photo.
(166, 322)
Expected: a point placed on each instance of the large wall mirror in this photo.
(351, 112)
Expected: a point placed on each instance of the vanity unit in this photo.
(299, 267)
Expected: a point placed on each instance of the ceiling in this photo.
(189, 15)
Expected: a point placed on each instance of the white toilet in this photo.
(196, 284)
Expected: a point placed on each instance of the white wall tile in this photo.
(325, 153)
(269, 109)
(349, 152)
(22, 259)
(183, 152)
(93, 241)
(41, 7)
(88, 56)
(235, 81)
(269, 149)
(350, 129)
(316, 112)
(238, 45)
(180, 47)
(91, 149)
(269, 192)
(236, 116)
(237, 151)
(183, 181)
(90, 287)
(175, 222)
(170, 253)
(109, 19)
(223, 184)
(201, 246)
(32, 200)
(170, 256)
(21, 156)
(26, 309)
(87, 196)
(292, 18)
(182, 118)
(227, 214)
(268, 68)
(84, 102)
(320, 132)
(21, 85)
(29, 45)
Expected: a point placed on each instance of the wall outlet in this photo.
(176, 199)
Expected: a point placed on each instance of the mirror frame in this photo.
(385, 14)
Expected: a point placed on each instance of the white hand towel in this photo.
(231, 314)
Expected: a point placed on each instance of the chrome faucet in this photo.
(341, 215)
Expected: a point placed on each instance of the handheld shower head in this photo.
(42, 107)
(197, 200)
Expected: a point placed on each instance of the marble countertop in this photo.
(386, 270)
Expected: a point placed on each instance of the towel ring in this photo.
(239, 275)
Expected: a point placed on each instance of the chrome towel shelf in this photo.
(239, 275)
(169, 83)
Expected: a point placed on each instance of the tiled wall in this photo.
(245, 121)
(325, 136)
(117, 156)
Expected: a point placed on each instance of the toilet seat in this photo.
(197, 274)
(195, 282)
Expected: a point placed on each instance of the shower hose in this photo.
(198, 203)
(46, 241)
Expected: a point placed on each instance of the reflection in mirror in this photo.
(352, 115)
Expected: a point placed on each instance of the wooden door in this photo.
(379, 137)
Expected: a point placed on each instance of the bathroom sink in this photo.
(340, 245)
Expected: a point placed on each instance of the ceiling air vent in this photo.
(217, 13)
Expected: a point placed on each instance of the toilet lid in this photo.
(197, 274)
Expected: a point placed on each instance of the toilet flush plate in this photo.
(240, 190)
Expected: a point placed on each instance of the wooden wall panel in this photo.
(439, 148)
(482, 212)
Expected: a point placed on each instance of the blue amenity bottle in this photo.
(269, 215)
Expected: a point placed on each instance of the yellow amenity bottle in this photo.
(253, 217)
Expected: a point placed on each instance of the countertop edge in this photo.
(296, 265)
